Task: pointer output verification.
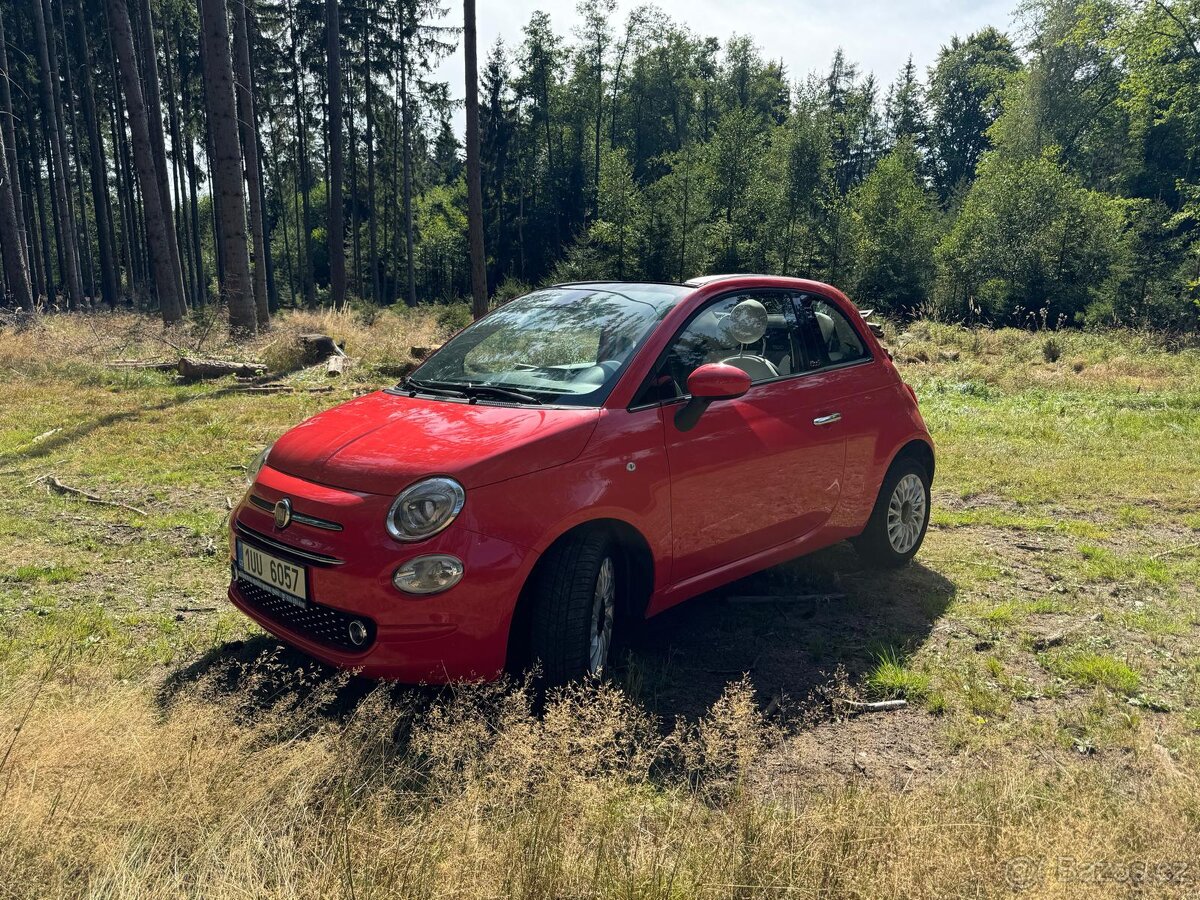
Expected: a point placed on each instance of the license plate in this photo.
(282, 578)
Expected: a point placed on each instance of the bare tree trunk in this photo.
(35, 260)
(236, 287)
(98, 167)
(249, 133)
(185, 78)
(10, 143)
(304, 225)
(372, 221)
(337, 231)
(84, 233)
(51, 104)
(157, 236)
(158, 142)
(406, 140)
(10, 234)
(479, 295)
(178, 189)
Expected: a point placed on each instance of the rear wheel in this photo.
(575, 607)
(900, 519)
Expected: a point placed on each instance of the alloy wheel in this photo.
(906, 513)
(603, 609)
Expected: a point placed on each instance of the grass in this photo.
(153, 743)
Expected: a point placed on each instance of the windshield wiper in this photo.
(430, 387)
(465, 389)
(475, 390)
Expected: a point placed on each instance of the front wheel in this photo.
(900, 519)
(575, 608)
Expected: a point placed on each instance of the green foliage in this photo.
(1030, 240)
(894, 231)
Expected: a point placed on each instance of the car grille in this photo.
(319, 624)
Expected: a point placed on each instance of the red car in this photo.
(583, 457)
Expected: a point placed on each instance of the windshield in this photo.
(563, 345)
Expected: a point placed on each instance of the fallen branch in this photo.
(65, 489)
(280, 389)
(878, 706)
(790, 598)
(1178, 549)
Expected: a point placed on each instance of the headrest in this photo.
(746, 323)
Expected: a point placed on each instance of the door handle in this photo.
(828, 420)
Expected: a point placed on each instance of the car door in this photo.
(757, 471)
(852, 384)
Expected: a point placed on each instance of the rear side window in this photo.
(831, 339)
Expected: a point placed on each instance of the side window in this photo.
(753, 331)
(831, 339)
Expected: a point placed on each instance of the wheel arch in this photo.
(917, 449)
(636, 570)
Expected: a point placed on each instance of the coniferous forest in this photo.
(169, 155)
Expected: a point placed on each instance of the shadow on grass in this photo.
(788, 628)
(804, 620)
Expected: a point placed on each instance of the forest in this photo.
(173, 156)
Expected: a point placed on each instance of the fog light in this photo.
(428, 574)
(358, 633)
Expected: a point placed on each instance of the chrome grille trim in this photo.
(319, 558)
(267, 506)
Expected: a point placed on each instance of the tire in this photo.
(900, 519)
(575, 607)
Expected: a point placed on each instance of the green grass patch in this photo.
(1096, 669)
(892, 679)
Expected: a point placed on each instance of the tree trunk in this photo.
(10, 234)
(479, 298)
(185, 78)
(51, 104)
(178, 180)
(249, 134)
(337, 231)
(406, 141)
(158, 238)
(98, 167)
(158, 143)
(8, 127)
(84, 231)
(236, 287)
(373, 219)
(303, 226)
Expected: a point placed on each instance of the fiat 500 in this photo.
(583, 457)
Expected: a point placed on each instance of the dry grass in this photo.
(469, 794)
(133, 764)
(74, 344)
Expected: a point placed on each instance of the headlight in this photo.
(259, 462)
(428, 574)
(425, 508)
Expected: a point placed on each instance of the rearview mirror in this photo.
(714, 381)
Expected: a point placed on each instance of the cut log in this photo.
(316, 348)
(337, 366)
(420, 354)
(198, 369)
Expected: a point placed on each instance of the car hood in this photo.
(382, 442)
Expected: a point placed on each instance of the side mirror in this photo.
(714, 381)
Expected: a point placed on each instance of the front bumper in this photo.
(459, 634)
